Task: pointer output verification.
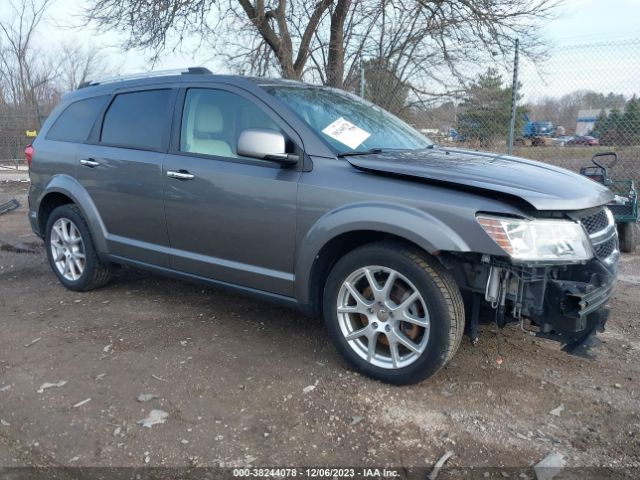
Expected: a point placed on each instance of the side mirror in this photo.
(265, 145)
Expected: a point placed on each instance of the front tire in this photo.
(393, 312)
(71, 252)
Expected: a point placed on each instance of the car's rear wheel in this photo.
(393, 312)
(72, 255)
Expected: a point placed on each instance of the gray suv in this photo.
(318, 200)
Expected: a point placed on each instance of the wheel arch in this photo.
(64, 190)
(335, 249)
(341, 231)
(48, 204)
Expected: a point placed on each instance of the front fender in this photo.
(414, 225)
(70, 187)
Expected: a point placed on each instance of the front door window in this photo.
(212, 121)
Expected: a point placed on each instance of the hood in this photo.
(543, 186)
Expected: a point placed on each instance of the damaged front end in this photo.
(565, 302)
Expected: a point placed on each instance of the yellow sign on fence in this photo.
(31, 133)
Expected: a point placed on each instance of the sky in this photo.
(586, 21)
(595, 45)
(612, 66)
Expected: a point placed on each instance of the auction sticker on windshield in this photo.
(346, 132)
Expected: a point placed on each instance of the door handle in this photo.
(180, 175)
(89, 162)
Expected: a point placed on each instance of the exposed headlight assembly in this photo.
(538, 240)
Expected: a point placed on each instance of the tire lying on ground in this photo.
(9, 206)
(393, 312)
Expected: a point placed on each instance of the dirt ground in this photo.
(231, 373)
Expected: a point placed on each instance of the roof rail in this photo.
(156, 73)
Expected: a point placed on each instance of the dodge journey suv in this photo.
(313, 198)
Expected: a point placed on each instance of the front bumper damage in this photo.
(566, 302)
(578, 306)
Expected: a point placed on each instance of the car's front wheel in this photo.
(72, 255)
(393, 312)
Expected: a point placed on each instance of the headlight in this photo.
(536, 240)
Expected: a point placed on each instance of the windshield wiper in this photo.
(369, 152)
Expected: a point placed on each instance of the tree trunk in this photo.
(335, 58)
(279, 42)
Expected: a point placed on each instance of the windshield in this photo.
(347, 123)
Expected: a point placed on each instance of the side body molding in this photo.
(413, 224)
(70, 187)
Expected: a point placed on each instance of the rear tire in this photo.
(397, 299)
(71, 252)
(628, 236)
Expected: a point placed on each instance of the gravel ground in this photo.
(249, 383)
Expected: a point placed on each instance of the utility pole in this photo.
(514, 99)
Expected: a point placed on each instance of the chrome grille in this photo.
(602, 233)
(605, 249)
(596, 222)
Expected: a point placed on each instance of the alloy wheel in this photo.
(383, 317)
(67, 249)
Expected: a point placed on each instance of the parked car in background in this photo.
(562, 140)
(584, 140)
(316, 199)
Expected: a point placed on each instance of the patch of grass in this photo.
(574, 157)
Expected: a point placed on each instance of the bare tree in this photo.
(563, 111)
(33, 77)
(25, 77)
(79, 64)
(325, 39)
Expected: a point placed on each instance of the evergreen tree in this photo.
(601, 125)
(486, 110)
(611, 134)
(619, 128)
(631, 122)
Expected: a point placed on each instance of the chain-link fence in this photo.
(17, 128)
(584, 103)
(575, 102)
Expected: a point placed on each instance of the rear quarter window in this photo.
(138, 120)
(75, 121)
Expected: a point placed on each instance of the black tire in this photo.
(438, 289)
(96, 273)
(628, 236)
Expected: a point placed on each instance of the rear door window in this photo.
(138, 120)
(75, 122)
